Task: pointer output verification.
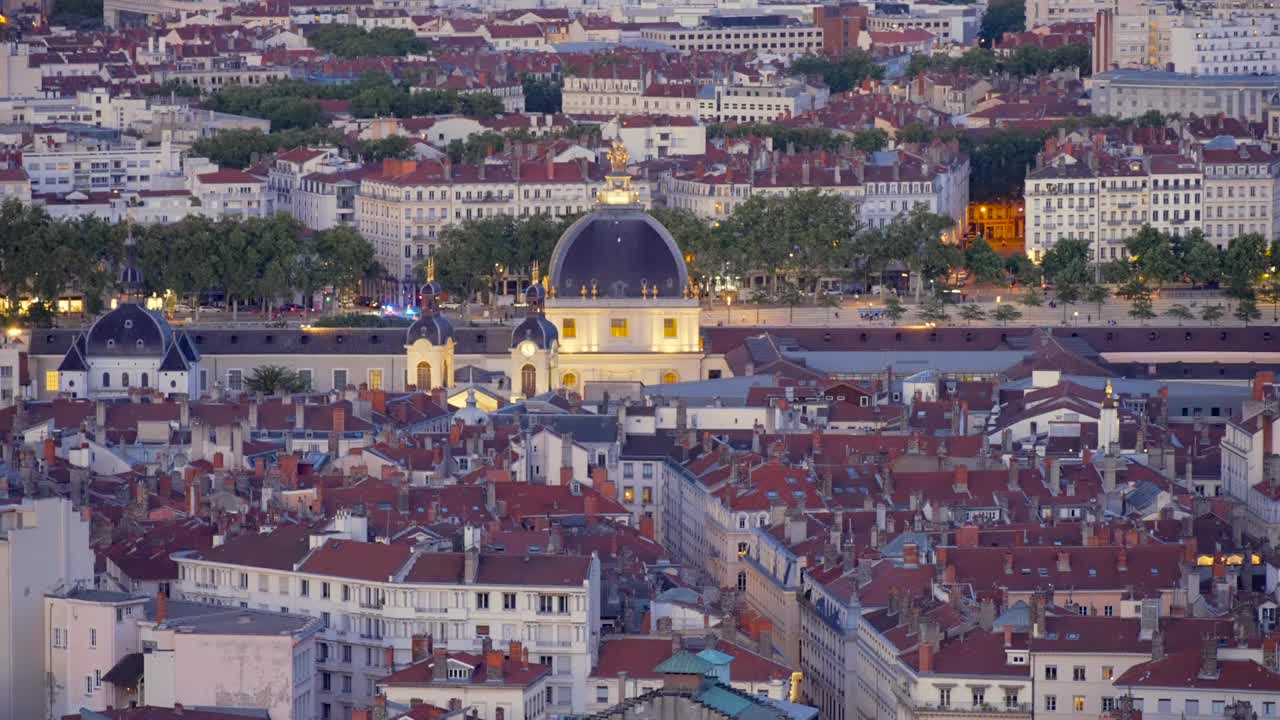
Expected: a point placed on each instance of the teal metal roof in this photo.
(683, 663)
(726, 701)
(715, 657)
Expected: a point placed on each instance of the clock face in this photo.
(527, 349)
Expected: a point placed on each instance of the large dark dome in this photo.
(623, 250)
(434, 327)
(130, 329)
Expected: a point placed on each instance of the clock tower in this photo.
(535, 346)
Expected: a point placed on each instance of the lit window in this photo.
(570, 380)
(628, 494)
(51, 381)
(375, 379)
(1077, 703)
(618, 328)
(569, 328)
(669, 327)
(670, 378)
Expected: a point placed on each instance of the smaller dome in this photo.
(471, 415)
(535, 294)
(432, 327)
(130, 329)
(130, 276)
(535, 328)
(429, 290)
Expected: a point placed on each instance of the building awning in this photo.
(126, 672)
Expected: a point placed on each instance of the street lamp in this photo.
(1075, 314)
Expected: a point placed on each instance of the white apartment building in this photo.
(1061, 203)
(1241, 192)
(1249, 473)
(402, 209)
(103, 167)
(1176, 186)
(652, 137)
(1233, 45)
(376, 601)
(205, 659)
(760, 101)
(89, 632)
(44, 546)
(230, 193)
(1122, 204)
(891, 185)
(325, 200)
(111, 649)
(774, 39)
(288, 169)
(1051, 12)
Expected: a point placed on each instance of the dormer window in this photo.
(128, 324)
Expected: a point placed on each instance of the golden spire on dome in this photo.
(1109, 390)
(617, 184)
(618, 156)
(534, 276)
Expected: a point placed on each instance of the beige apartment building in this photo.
(1241, 192)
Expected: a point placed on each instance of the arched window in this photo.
(569, 380)
(106, 379)
(424, 376)
(670, 377)
(124, 379)
(146, 381)
(528, 381)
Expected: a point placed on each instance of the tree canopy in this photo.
(353, 41)
(842, 73)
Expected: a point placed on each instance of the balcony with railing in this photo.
(971, 710)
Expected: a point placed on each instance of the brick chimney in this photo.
(1122, 560)
(440, 664)
(339, 420)
(961, 481)
(493, 666)
(1008, 635)
(162, 607)
(967, 536)
(911, 554)
(926, 656)
(1008, 563)
(1064, 561)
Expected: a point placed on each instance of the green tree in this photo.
(972, 313)
(1096, 294)
(1180, 313)
(803, 237)
(983, 264)
(352, 41)
(932, 311)
(1243, 264)
(1152, 253)
(1032, 297)
(1006, 313)
(842, 73)
(394, 147)
(998, 162)
(1066, 266)
(1201, 261)
(917, 239)
(791, 295)
(871, 140)
(894, 309)
(1246, 310)
(1212, 314)
(1002, 16)
(541, 96)
(275, 380)
(1140, 308)
(1022, 269)
(917, 133)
